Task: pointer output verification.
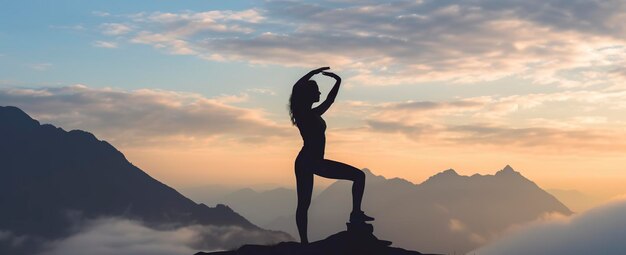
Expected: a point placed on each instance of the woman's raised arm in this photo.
(308, 76)
(330, 99)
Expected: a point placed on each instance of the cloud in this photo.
(186, 23)
(529, 137)
(400, 42)
(598, 231)
(105, 44)
(169, 30)
(144, 116)
(11, 239)
(262, 91)
(115, 29)
(149, 117)
(100, 13)
(516, 122)
(40, 66)
(169, 42)
(511, 138)
(425, 105)
(112, 236)
(413, 131)
(495, 107)
(421, 111)
(78, 27)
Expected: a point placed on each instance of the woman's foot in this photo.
(304, 241)
(359, 216)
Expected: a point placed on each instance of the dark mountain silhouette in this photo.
(50, 178)
(448, 213)
(358, 239)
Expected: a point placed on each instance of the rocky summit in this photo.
(357, 239)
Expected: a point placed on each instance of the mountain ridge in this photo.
(47, 174)
(465, 211)
(436, 205)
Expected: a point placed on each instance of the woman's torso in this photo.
(312, 129)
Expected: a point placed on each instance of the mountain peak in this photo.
(507, 171)
(444, 176)
(450, 173)
(15, 117)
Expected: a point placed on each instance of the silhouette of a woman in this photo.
(311, 160)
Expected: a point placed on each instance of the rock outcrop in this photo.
(357, 239)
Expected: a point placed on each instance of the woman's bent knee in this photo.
(360, 176)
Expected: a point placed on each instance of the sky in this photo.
(195, 92)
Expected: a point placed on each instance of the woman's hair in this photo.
(300, 95)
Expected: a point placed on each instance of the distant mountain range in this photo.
(262, 207)
(448, 213)
(51, 179)
(576, 200)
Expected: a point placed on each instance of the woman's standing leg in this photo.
(304, 186)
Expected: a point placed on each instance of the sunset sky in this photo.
(195, 92)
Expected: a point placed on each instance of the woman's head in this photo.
(302, 97)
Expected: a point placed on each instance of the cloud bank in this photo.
(11, 239)
(147, 117)
(598, 231)
(517, 121)
(114, 236)
(572, 44)
(143, 116)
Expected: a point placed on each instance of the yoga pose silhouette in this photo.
(311, 160)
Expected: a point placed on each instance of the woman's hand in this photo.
(330, 74)
(319, 70)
